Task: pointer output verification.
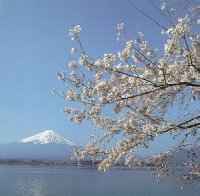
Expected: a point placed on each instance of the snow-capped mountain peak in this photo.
(47, 137)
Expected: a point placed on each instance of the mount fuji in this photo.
(47, 137)
(45, 145)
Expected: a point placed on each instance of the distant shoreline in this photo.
(61, 163)
(52, 163)
(38, 162)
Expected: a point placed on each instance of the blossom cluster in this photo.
(127, 94)
(74, 32)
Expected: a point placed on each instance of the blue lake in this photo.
(63, 181)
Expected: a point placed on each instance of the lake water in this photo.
(51, 181)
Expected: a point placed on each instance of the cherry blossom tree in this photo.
(128, 95)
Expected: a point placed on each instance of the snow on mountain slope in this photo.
(47, 137)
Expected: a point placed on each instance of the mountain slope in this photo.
(46, 145)
(29, 151)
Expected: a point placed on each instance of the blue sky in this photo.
(34, 45)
